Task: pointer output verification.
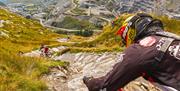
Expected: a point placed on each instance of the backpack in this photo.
(167, 39)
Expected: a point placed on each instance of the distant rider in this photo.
(44, 50)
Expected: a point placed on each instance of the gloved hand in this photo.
(86, 79)
(91, 83)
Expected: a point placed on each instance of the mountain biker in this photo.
(44, 50)
(150, 51)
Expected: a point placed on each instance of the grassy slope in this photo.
(22, 73)
(108, 41)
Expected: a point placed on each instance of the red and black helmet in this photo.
(137, 26)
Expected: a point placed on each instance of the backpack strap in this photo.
(162, 47)
(168, 34)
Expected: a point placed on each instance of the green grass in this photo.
(19, 73)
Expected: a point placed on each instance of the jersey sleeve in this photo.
(136, 60)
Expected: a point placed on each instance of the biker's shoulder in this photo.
(147, 43)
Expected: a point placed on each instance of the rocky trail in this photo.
(85, 64)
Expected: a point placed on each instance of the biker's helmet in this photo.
(136, 27)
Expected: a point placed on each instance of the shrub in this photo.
(73, 23)
(84, 33)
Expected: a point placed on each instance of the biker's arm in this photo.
(130, 68)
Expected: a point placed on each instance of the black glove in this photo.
(87, 79)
